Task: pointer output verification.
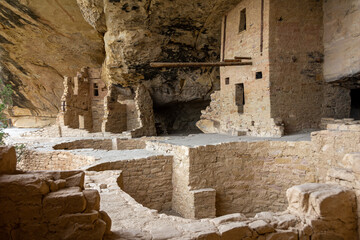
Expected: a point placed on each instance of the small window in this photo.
(240, 97)
(96, 90)
(227, 81)
(258, 75)
(242, 25)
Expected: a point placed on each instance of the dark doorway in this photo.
(355, 103)
(179, 118)
(242, 25)
(240, 97)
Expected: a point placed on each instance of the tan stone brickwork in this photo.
(147, 180)
(82, 104)
(250, 177)
(182, 199)
(128, 111)
(287, 53)
(296, 56)
(52, 160)
(254, 118)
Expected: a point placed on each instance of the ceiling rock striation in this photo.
(40, 42)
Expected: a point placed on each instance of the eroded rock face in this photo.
(140, 32)
(40, 42)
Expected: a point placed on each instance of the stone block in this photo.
(76, 180)
(105, 217)
(283, 235)
(61, 183)
(53, 186)
(286, 221)
(204, 203)
(351, 162)
(7, 159)
(235, 217)
(208, 126)
(92, 197)
(322, 201)
(68, 200)
(261, 227)
(17, 186)
(234, 231)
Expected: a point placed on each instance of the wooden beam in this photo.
(196, 64)
(232, 60)
(244, 58)
(224, 38)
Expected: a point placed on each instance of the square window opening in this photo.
(258, 75)
(227, 81)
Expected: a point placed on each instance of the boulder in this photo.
(7, 159)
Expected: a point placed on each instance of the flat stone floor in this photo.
(213, 139)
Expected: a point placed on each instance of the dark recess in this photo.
(258, 75)
(179, 118)
(355, 103)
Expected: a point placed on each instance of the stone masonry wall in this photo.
(341, 39)
(105, 144)
(246, 175)
(76, 101)
(147, 180)
(97, 102)
(182, 201)
(252, 117)
(115, 113)
(130, 110)
(250, 177)
(52, 160)
(83, 100)
(296, 57)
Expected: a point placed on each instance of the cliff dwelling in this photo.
(154, 120)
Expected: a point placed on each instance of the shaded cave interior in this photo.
(179, 117)
(355, 103)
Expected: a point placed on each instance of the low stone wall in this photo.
(104, 144)
(182, 200)
(300, 221)
(52, 160)
(147, 180)
(50, 205)
(250, 177)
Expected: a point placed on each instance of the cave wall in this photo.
(140, 32)
(341, 39)
(40, 42)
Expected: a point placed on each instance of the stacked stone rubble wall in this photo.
(49, 205)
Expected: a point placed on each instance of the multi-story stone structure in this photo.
(289, 87)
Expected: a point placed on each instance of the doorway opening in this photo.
(355, 103)
(240, 97)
